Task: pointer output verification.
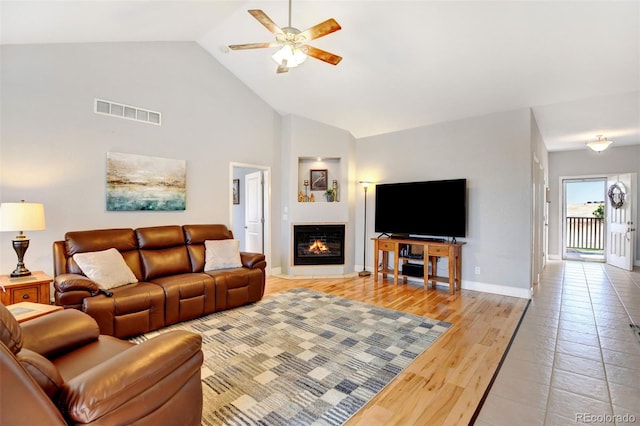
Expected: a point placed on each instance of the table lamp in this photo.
(21, 217)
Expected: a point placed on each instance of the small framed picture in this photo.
(236, 191)
(319, 180)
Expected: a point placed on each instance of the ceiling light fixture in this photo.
(600, 144)
(289, 56)
(292, 42)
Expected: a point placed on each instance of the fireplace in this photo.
(318, 244)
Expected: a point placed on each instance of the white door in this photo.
(254, 217)
(621, 238)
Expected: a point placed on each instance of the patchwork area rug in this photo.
(301, 357)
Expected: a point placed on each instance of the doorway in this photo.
(583, 218)
(249, 216)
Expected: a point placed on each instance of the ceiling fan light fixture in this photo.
(292, 55)
(599, 145)
(293, 48)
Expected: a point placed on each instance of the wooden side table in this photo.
(32, 288)
(24, 311)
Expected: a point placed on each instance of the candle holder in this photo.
(334, 185)
(306, 191)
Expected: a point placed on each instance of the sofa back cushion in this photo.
(123, 240)
(196, 235)
(162, 251)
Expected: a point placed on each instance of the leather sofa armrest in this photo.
(42, 370)
(130, 375)
(59, 332)
(253, 260)
(23, 402)
(71, 282)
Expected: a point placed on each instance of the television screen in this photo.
(422, 209)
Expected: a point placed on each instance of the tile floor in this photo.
(575, 359)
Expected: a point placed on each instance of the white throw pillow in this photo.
(222, 254)
(107, 268)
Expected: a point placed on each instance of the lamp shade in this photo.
(22, 217)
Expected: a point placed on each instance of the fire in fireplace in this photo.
(318, 244)
(318, 247)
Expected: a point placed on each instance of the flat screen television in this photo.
(426, 209)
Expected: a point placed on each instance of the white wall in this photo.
(615, 160)
(493, 153)
(54, 146)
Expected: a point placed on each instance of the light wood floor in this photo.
(445, 384)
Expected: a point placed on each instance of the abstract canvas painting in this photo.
(139, 182)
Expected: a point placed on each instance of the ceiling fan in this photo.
(292, 41)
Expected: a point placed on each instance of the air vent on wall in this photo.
(128, 112)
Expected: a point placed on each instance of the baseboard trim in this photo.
(503, 290)
(274, 271)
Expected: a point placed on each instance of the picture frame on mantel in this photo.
(318, 179)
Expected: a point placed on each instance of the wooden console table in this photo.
(431, 250)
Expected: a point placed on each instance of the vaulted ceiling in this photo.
(406, 63)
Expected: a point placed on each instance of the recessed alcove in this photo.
(315, 176)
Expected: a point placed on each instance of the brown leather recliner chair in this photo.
(58, 370)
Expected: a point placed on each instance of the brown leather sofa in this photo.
(172, 286)
(58, 370)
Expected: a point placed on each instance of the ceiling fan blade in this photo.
(265, 20)
(252, 46)
(322, 29)
(322, 55)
